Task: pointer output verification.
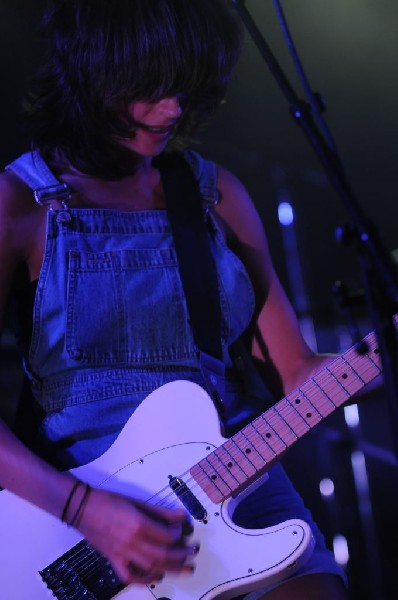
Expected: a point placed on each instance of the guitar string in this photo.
(292, 424)
(86, 557)
(199, 482)
(295, 421)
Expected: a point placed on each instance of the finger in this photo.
(161, 558)
(167, 516)
(143, 576)
(159, 533)
(130, 573)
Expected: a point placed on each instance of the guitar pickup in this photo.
(188, 499)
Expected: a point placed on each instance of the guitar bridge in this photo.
(82, 573)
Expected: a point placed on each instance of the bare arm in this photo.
(278, 345)
(20, 470)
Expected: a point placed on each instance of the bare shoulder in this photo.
(233, 192)
(15, 197)
(20, 216)
(238, 211)
(276, 321)
(245, 232)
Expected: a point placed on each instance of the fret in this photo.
(341, 369)
(376, 358)
(373, 349)
(331, 386)
(278, 424)
(213, 477)
(269, 434)
(231, 463)
(364, 365)
(222, 471)
(259, 443)
(249, 450)
(208, 485)
(318, 398)
(307, 411)
(374, 352)
(292, 417)
(240, 457)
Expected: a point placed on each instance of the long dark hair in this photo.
(104, 54)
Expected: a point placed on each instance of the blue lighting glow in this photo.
(285, 214)
(326, 487)
(351, 415)
(340, 549)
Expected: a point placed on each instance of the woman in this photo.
(122, 81)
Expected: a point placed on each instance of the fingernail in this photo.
(195, 549)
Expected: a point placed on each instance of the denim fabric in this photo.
(110, 321)
(110, 325)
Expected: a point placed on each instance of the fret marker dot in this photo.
(309, 415)
(268, 435)
(297, 400)
(344, 375)
(214, 477)
(377, 351)
(230, 465)
(247, 450)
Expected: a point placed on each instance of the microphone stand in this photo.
(378, 270)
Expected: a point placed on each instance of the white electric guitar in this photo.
(171, 453)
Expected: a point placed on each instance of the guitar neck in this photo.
(249, 453)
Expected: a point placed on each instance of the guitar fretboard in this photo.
(249, 453)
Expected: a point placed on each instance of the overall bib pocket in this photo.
(116, 302)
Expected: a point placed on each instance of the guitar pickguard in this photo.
(140, 463)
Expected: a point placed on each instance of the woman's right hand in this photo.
(141, 541)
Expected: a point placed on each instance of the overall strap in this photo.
(205, 173)
(33, 170)
(189, 181)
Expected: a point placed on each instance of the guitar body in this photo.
(174, 428)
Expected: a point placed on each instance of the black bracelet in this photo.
(79, 512)
(69, 499)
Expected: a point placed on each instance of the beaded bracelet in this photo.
(69, 499)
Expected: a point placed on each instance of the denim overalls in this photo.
(110, 324)
(110, 321)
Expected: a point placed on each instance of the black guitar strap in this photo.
(197, 268)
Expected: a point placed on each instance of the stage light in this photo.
(326, 487)
(351, 415)
(285, 213)
(340, 549)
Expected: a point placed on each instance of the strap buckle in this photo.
(61, 193)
